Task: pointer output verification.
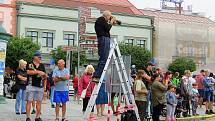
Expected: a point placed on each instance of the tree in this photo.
(139, 55)
(20, 48)
(58, 54)
(181, 64)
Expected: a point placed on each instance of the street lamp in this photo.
(4, 37)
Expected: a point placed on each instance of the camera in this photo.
(117, 22)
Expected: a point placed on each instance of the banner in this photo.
(3, 47)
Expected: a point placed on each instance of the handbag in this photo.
(84, 92)
(15, 88)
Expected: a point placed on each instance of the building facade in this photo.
(180, 35)
(8, 15)
(53, 24)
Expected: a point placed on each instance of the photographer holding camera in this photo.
(102, 27)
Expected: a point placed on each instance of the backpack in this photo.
(128, 116)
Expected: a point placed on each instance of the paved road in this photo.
(74, 112)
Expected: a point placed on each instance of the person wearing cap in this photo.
(148, 82)
(171, 102)
(21, 80)
(35, 89)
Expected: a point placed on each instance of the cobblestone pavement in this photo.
(74, 112)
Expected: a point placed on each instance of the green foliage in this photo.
(58, 54)
(181, 64)
(20, 48)
(139, 55)
(83, 59)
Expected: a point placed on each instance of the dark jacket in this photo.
(102, 27)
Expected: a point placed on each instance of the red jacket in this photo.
(83, 82)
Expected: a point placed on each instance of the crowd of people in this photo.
(178, 94)
(153, 89)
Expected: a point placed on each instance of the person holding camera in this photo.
(102, 27)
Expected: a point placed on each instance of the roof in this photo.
(182, 18)
(118, 6)
(32, 1)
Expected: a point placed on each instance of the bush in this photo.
(181, 64)
(139, 55)
(58, 54)
(20, 48)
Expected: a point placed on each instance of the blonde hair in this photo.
(187, 72)
(89, 69)
(22, 62)
(207, 72)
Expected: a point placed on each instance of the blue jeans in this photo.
(149, 109)
(20, 100)
(103, 51)
(52, 95)
(170, 111)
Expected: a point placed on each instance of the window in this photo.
(47, 39)
(69, 39)
(33, 35)
(141, 43)
(129, 42)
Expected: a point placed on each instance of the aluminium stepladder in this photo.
(114, 49)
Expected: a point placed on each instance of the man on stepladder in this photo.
(102, 27)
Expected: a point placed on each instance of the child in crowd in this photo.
(140, 93)
(194, 100)
(171, 103)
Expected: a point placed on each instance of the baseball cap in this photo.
(38, 54)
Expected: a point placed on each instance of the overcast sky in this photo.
(206, 6)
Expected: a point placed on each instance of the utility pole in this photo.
(78, 37)
(180, 8)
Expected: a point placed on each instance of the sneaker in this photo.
(64, 119)
(53, 106)
(96, 80)
(38, 119)
(207, 112)
(23, 113)
(57, 119)
(17, 113)
(28, 119)
(33, 111)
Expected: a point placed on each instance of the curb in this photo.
(196, 118)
